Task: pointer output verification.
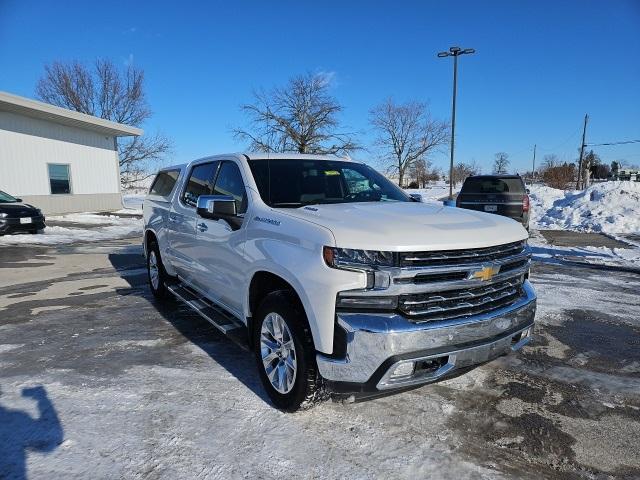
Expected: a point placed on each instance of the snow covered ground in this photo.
(99, 380)
(433, 192)
(609, 207)
(79, 227)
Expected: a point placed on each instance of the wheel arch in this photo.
(264, 282)
(149, 236)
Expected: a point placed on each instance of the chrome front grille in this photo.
(461, 257)
(450, 304)
(452, 290)
(445, 285)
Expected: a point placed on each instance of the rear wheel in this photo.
(156, 273)
(285, 353)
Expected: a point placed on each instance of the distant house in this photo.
(57, 159)
(633, 175)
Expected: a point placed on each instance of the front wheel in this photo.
(285, 353)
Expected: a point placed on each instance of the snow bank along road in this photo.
(98, 381)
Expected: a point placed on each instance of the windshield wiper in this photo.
(288, 204)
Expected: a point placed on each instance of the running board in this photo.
(216, 316)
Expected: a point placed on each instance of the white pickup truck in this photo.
(337, 279)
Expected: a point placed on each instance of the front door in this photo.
(183, 218)
(219, 244)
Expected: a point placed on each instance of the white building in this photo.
(57, 159)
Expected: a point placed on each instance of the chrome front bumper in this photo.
(377, 344)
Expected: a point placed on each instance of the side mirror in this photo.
(216, 206)
(19, 200)
(416, 197)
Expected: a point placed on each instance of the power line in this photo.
(624, 142)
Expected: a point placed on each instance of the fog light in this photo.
(403, 370)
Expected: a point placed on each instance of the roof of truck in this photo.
(292, 156)
(497, 175)
(179, 166)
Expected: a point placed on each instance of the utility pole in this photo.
(533, 170)
(454, 52)
(584, 134)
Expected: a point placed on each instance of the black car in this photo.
(16, 216)
(500, 194)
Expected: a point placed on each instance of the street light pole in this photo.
(454, 52)
(453, 123)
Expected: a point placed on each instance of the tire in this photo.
(156, 274)
(299, 387)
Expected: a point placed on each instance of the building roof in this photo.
(45, 111)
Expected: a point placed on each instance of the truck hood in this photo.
(407, 226)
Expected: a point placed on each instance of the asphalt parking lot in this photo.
(99, 381)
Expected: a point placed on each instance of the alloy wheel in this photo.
(278, 353)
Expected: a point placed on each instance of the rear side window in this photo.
(493, 185)
(164, 183)
(200, 182)
(229, 182)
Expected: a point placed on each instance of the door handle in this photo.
(202, 227)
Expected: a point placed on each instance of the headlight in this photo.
(4, 215)
(345, 257)
(366, 261)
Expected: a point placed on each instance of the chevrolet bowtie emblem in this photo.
(485, 273)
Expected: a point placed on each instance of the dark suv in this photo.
(501, 194)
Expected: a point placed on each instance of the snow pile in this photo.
(609, 207)
(541, 200)
(85, 218)
(82, 227)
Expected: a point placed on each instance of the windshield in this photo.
(294, 183)
(6, 198)
(493, 185)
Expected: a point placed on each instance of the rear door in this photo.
(157, 206)
(502, 196)
(219, 244)
(183, 218)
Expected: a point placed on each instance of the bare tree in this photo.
(301, 117)
(501, 163)
(114, 94)
(463, 170)
(550, 161)
(406, 134)
(556, 174)
(423, 172)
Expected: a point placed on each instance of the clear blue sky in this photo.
(539, 67)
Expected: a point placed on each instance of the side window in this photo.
(164, 183)
(200, 182)
(59, 178)
(229, 182)
(357, 182)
